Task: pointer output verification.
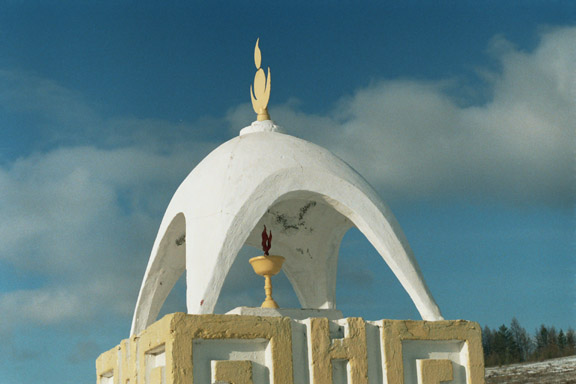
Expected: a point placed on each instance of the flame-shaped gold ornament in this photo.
(260, 92)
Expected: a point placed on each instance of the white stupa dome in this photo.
(306, 195)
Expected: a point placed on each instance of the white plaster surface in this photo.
(340, 371)
(107, 379)
(300, 352)
(255, 350)
(293, 313)
(155, 359)
(414, 350)
(307, 196)
(261, 126)
(375, 355)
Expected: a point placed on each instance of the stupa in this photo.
(308, 198)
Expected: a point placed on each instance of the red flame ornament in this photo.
(266, 241)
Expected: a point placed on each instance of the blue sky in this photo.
(461, 116)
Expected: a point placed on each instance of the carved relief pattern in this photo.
(252, 349)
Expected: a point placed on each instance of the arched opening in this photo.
(308, 228)
(307, 232)
(366, 286)
(361, 276)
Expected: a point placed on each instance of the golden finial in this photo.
(260, 94)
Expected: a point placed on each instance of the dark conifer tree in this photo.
(522, 340)
(541, 342)
(503, 345)
(570, 342)
(514, 344)
(562, 342)
(487, 340)
(553, 350)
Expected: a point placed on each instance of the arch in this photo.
(166, 265)
(235, 190)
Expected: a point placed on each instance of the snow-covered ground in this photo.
(555, 371)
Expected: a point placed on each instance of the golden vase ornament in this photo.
(267, 266)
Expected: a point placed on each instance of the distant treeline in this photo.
(509, 345)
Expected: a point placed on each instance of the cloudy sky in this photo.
(462, 118)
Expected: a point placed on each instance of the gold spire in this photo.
(260, 93)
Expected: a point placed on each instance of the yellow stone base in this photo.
(180, 348)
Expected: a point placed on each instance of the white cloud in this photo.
(45, 306)
(410, 139)
(83, 219)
